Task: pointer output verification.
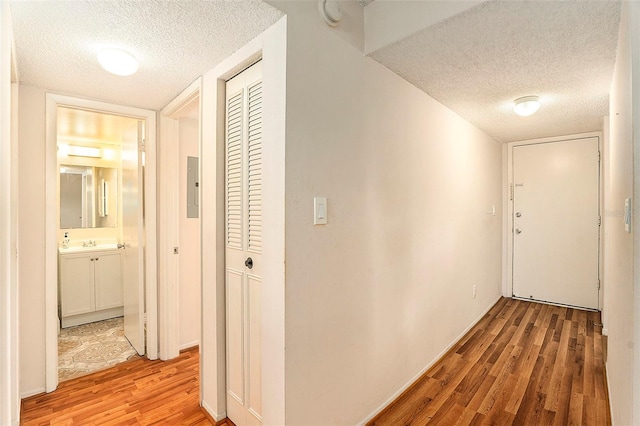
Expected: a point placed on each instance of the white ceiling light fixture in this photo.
(118, 61)
(84, 151)
(526, 106)
(330, 11)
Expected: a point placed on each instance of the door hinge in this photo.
(599, 220)
(599, 157)
(141, 145)
(598, 284)
(511, 192)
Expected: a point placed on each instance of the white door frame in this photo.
(168, 220)
(51, 214)
(508, 217)
(9, 380)
(271, 47)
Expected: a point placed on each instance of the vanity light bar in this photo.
(84, 151)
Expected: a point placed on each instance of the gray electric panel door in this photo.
(193, 187)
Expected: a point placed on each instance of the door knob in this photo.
(518, 231)
(248, 263)
(518, 214)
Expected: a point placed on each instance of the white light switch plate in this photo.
(319, 211)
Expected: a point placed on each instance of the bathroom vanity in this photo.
(90, 284)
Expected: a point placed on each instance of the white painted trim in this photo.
(189, 345)
(169, 219)
(271, 46)
(176, 107)
(427, 367)
(217, 417)
(50, 246)
(51, 217)
(611, 410)
(150, 205)
(9, 399)
(634, 28)
(15, 276)
(168, 286)
(508, 213)
(505, 223)
(32, 392)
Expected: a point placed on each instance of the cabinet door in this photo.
(108, 279)
(76, 287)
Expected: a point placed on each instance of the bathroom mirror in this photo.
(88, 197)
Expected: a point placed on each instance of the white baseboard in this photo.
(609, 393)
(427, 367)
(212, 412)
(32, 392)
(190, 345)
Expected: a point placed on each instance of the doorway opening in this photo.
(180, 264)
(100, 227)
(97, 157)
(554, 215)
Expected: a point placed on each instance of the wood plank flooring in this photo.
(524, 363)
(139, 392)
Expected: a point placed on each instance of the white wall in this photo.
(385, 287)
(31, 232)
(189, 234)
(618, 256)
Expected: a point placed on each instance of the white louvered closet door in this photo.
(243, 240)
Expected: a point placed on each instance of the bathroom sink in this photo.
(83, 247)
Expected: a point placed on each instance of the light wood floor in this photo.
(523, 364)
(139, 392)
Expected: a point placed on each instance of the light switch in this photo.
(319, 211)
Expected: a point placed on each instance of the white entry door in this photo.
(556, 222)
(243, 216)
(133, 236)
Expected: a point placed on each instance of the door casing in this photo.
(168, 225)
(51, 243)
(508, 206)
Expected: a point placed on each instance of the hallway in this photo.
(524, 364)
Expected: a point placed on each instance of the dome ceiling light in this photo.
(118, 61)
(526, 106)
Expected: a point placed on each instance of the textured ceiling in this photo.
(175, 41)
(476, 63)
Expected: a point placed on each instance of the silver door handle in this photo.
(518, 231)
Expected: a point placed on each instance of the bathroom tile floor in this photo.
(86, 348)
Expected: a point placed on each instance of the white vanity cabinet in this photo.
(90, 286)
